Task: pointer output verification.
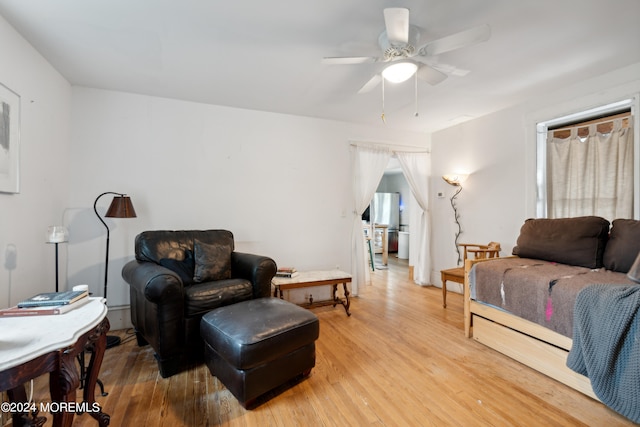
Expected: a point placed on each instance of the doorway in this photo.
(369, 162)
(394, 183)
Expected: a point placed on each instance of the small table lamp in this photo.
(57, 234)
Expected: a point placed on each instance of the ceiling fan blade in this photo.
(372, 83)
(346, 60)
(450, 70)
(455, 41)
(430, 75)
(396, 21)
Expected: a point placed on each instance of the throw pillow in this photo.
(183, 268)
(623, 246)
(573, 241)
(213, 261)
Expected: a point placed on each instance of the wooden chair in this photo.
(491, 250)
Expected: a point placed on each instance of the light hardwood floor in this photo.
(401, 359)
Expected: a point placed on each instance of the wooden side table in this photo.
(35, 345)
(308, 279)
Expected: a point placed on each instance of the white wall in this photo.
(280, 183)
(27, 263)
(499, 152)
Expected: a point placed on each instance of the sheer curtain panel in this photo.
(368, 165)
(592, 174)
(416, 169)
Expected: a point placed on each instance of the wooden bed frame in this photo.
(529, 343)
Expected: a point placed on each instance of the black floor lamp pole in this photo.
(106, 259)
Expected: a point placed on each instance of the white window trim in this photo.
(541, 149)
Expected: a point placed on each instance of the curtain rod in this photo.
(390, 147)
(586, 123)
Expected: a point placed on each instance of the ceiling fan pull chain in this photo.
(416, 92)
(382, 116)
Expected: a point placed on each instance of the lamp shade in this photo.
(455, 178)
(121, 207)
(634, 272)
(398, 72)
(57, 234)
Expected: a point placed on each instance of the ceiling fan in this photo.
(399, 44)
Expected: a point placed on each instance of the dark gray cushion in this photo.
(212, 261)
(623, 246)
(182, 267)
(154, 245)
(576, 241)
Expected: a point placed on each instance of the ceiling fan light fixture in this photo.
(399, 72)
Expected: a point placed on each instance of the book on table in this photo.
(53, 298)
(288, 275)
(287, 272)
(16, 311)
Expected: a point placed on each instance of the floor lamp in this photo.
(456, 180)
(120, 207)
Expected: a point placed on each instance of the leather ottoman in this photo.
(257, 345)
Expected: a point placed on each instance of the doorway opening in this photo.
(388, 214)
(369, 162)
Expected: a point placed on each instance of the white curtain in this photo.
(591, 175)
(368, 165)
(416, 169)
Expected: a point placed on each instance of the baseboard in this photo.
(119, 317)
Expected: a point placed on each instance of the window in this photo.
(587, 164)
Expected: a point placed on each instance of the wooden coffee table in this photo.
(308, 279)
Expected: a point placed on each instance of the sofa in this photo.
(179, 276)
(523, 305)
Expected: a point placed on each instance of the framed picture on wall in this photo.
(9, 140)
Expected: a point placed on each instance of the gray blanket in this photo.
(606, 345)
(541, 292)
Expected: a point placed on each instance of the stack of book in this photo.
(48, 303)
(287, 272)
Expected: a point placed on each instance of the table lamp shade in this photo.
(57, 234)
(121, 207)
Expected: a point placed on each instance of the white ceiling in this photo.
(266, 55)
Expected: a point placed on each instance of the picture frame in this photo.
(9, 140)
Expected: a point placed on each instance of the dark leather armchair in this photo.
(177, 277)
